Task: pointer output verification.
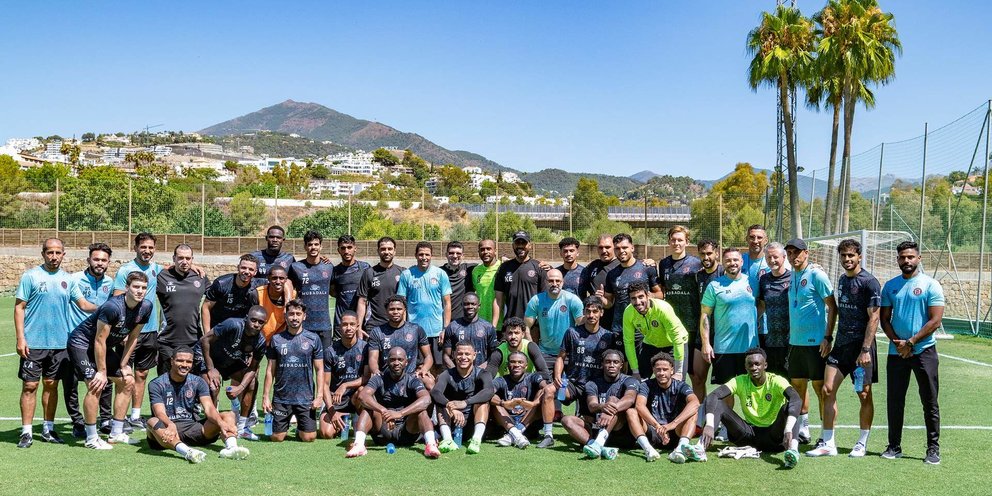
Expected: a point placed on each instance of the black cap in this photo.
(521, 235)
(798, 244)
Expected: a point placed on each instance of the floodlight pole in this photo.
(812, 198)
(878, 190)
(923, 185)
(985, 210)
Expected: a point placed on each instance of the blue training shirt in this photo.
(151, 270)
(735, 317)
(554, 316)
(807, 310)
(46, 317)
(425, 292)
(910, 300)
(91, 289)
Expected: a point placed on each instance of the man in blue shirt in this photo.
(428, 296)
(312, 279)
(294, 357)
(730, 300)
(912, 308)
(554, 311)
(272, 254)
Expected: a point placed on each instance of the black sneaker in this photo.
(79, 431)
(137, 424)
(547, 442)
(893, 452)
(803, 438)
(105, 427)
(51, 437)
(25, 441)
(933, 456)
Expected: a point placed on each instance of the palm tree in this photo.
(782, 49)
(859, 44)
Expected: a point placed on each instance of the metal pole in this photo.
(878, 190)
(423, 225)
(349, 212)
(985, 210)
(496, 234)
(720, 199)
(203, 214)
(923, 186)
(57, 190)
(129, 225)
(570, 200)
(645, 219)
(812, 198)
(277, 203)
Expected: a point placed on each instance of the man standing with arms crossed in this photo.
(857, 312)
(428, 295)
(311, 277)
(912, 308)
(378, 283)
(179, 291)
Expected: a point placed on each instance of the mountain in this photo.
(564, 182)
(643, 176)
(866, 186)
(320, 123)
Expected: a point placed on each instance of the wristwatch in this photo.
(865, 349)
(829, 339)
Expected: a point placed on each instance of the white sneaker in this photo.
(98, 444)
(823, 449)
(505, 441)
(676, 456)
(522, 443)
(858, 451)
(234, 453)
(195, 456)
(651, 455)
(121, 438)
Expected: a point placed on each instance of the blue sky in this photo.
(613, 87)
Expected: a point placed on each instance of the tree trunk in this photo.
(828, 223)
(790, 153)
(849, 105)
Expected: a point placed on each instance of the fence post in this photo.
(985, 209)
(923, 185)
(203, 215)
(277, 204)
(812, 198)
(129, 225)
(57, 190)
(877, 211)
(645, 220)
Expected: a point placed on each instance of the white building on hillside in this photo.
(336, 188)
(22, 144)
(359, 162)
(511, 177)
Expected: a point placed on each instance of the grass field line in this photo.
(952, 357)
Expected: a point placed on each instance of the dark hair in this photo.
(277, 268)
(514, 322)
(182, 349)
(104, 247)
(908, 245)
(728, 250)
(756, 226)
(349, 313)
(346, 239)
(137, 276)
(708, 242)
(465, 343)
(277, 227)
(142, 236)
(848, 244)
(569, 241)
(454, 244)
(612, 351)
(593, 301)
(638, 286)
(385, 239)
(312, 235)
(756, 351)
(424, 244)
(664, 357)
(296, 303)
(622, 237)
(248, 257)
(395, 298)
(514, 353)
(175, 250)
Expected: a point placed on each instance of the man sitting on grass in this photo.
(462, 394)
(521, 400)
(609, 401)
(667, 408)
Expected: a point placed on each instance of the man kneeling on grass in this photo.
(175, 398)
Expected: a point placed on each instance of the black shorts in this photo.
(227, 368)
(805, 362)
(85, 363)
(577, 395)
(437, 352)
(43, 363)
(645, 352)
(726, 366)
(845, 359)
(398, 435)
(306, 417)
(326, 337)
(346, 406)
(190, 433)
(145, 355)
(778, 360)
(673, 439)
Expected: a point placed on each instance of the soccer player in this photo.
(398, 332)
(484, 278)
(770, 406)
(93, 285)
(347, 275)
(571, 269)
(677, 278)
(146, 354)
(41, 324)
(660, 330)
(554, 311)
(345, 371)
(233, 349)
(175, 397)
(179, 291)
(458, 276)
(274, 297)
(609, 406)
(394, 409)
(378, 283)
(812, 315)
(230, 294)
(272, 255)
(462, 393)
(667, 410)
(517, 281)
(592, 281)
(514, 332)
(709, 258)
(730, 301)
(428, 297)
(753, 263)
(94, 347)
(912, 307)
(618, 280)
(311, 278)
(470, 327)
(773, 309)
(859, 297)
(294, 357)
(515, 403)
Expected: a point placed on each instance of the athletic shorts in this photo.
(437, 352)
(85, 363)
(145, 355)
(398, 435)
(673, 439)
(190, 433)
(778, 360)
(306, 417)
(577, 395)
(227, 368)
(845, 359)
(726, 366)
(43, 363)
(326, 337)
(805, 362)
(346, 406)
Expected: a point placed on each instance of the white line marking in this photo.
(952, 357)
(7, 355)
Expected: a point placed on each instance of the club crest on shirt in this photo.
(461, 273)
(803, 283)
(916, 291)
(749, 289)
(685, 270)
(768, 396)
(563, 308)
(761, 272)
(654, 323)
(323, 273)
(397, 278)
(105, 289)
(409, 336)
(305, 345)
(638, 274)
(480, 333)
(531, 273)
(189, 393)
(433, 281)
(65, 285)
(196, 284)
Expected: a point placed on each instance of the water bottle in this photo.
(390, 449)
(564, 386)
(859, 379)
(457, 436)
(347, 427)
(268, 423)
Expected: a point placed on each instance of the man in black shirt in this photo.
(515, 403)
(230, 294)
(272, 254)
(398, 332)
(311, 277)
(470, 327)
(459, 275)
(179, 291)
(592, 280)
(618, 281)
(677, 277)
(377, 285)
(709, 258)
(347, 274)
(571, 269)
(667, 409)
(345, 371)
(517, 280)
(463, 393)
(609, 406)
